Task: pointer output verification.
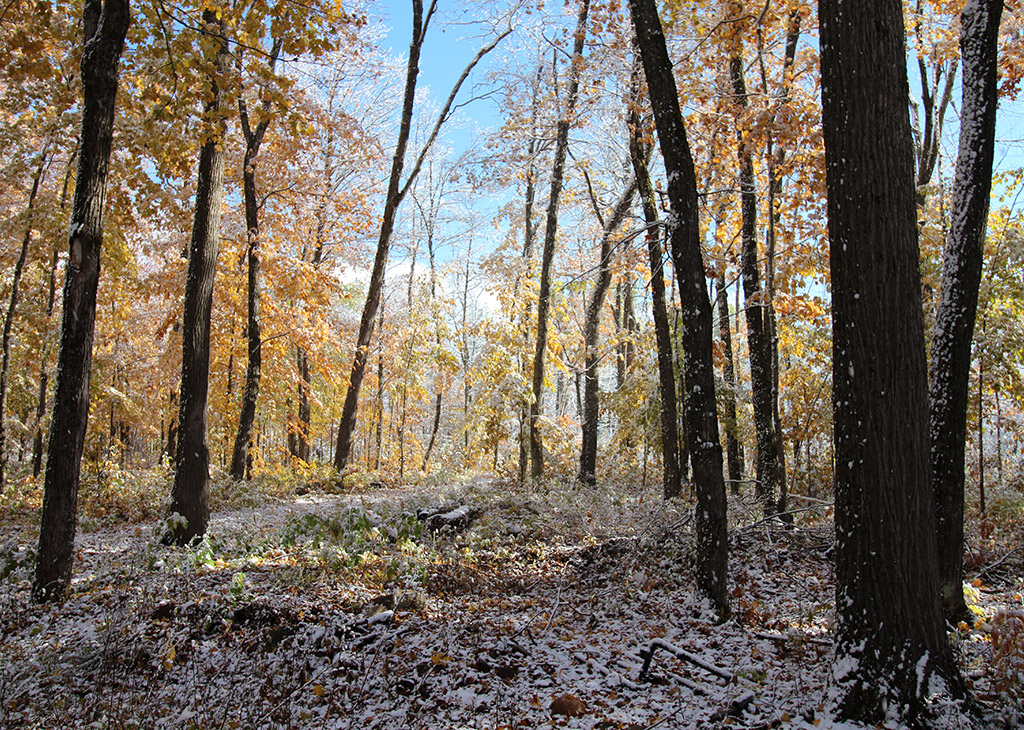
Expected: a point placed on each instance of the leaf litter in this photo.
(560, 606)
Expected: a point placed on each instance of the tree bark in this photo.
(771, 473)
(550, 233)
(698, 365)
(253, 141)
(891, 646)
(671, 478)
(104, 26)
(190, 497)
(396, 192)
(958, 303)
(347, 427)
(732, 446)
(12, 307)
(37, 443)
(591, 337)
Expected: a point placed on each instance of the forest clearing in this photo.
(342, 611)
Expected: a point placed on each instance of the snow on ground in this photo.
(560, 608)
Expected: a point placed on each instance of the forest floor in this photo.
(556, 607)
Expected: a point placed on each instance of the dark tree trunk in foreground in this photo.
(104, 26)
(253, 140)
(732, 445)
(591, 336)
(958, 303)
(891, 645)
(190, 497)
(548, 252)
(771, 472)
(671, 478)
(698, 365)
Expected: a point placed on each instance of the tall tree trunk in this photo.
(190, 497)
(396, 192)
(671, 479)
(958, 303)
(591, 336)
(771, 473)
(732, 446)
(891, 645)
(104, 26)
(776, 156)
(550, 233)
(12, 307)
(346, 430)
(529, 243)
(698, 364)
(253, 141)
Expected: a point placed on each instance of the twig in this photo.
(993, 566)
(789, 637)
(681, 654)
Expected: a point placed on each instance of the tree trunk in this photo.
(732, 446)
(305, 411)
(396, 192)
(698, 365)
(591, 336)
(958, 302)
(347, 427)
(891, 645)
(12, 307)
(671, 479)
(37, 445)
(550, 233)
(104, 26)
(190, 498)
(529, 242)
(771, 474)
(253, 140)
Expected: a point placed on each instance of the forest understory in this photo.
(478, 604)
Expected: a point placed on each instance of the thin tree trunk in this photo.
(305, 411)
(891, 645)
(591, 336)
(776, 156)
(12, 307)
(958, 302)
(396, 192)
(37, 446)
(732, 446)
(190, 498)
(698, 365)
(529, 243)
(671, 480)
(253, 141)
(550, 233)
(104, 26)
(771, 474)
